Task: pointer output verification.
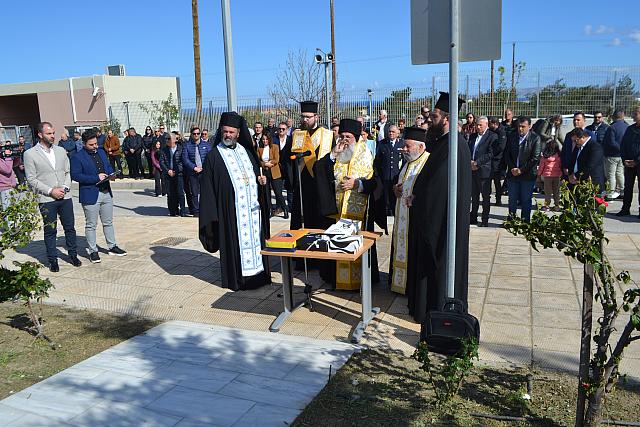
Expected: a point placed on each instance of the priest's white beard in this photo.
(410, 157)
(231, 143)
(347, 154)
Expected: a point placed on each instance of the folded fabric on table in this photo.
(326, 243)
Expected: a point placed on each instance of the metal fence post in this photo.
(538, 97)
(615, 89)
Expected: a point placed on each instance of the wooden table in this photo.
(290, 305)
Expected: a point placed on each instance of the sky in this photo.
(69, 38)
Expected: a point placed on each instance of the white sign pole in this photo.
(453, 149)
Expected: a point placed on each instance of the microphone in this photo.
(300, 155)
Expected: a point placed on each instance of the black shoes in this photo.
(54, 267)
(94, 257)
(117, 251)
(623, 212)
(75, 261)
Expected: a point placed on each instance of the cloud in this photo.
(635, 36)
(616, 41)
(602, 29)
(588, 29)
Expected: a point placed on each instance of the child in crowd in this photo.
(550, 170)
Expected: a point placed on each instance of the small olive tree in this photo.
(578, 232)
(19, 221)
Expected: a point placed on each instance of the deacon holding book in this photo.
(316, 142)
(346, 181)
(426, 194)
(233, 211)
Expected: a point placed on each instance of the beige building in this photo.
(78, 102)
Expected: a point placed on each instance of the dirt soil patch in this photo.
(77, 334)
(387, 389)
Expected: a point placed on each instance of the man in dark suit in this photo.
(91, 169)
(171, 165)
(522, 156)
(588, 159)
(389, 159)
(193, 155)
(283, 140)
(132, 147)
(499, 165)
(481, 146)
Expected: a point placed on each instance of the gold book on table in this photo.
(285, 239)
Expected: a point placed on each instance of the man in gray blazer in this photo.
(48, 173)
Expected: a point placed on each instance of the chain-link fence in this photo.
(534, 92)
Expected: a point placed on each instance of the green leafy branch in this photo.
(447, 377)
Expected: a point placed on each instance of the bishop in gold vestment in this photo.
(346, 182)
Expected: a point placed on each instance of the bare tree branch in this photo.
(299, 80)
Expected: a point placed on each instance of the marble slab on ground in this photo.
(182, 373)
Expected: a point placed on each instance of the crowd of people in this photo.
(318, 175)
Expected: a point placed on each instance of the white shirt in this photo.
(381, 127)
(51, 155)
(283, 143)
(475, 144)
(265, 154)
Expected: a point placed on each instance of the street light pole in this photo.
(326, 92)
(232, 98)
(326, 59)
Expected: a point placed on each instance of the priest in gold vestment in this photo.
(348, 188)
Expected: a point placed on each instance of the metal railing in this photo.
(538, 92)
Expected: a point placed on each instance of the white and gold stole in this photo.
(407, 178)
(248, 215)
(352, 205)
(301, 142)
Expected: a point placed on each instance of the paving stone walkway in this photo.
(184, 374)
(528, 302)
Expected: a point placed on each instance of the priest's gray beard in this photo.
(410, 157)
(347, 154)
(231, 143)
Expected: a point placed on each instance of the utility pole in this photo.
(196, 55)
(513, 72)
(333, 63)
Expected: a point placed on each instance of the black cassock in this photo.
(427, 246)
(312, 216)
(218, 229)
(376, 205)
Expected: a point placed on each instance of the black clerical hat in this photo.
(232, 119)
(415, 133)
(309, 107)
(443, 102)
(352, 126)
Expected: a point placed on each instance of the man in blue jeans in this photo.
(522, 155)
(193, 155)
(91, 169)
(47, 170)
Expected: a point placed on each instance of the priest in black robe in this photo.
(233, 212)
(427, 246)
(375, 212)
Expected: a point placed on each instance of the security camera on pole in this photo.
(326, 59)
